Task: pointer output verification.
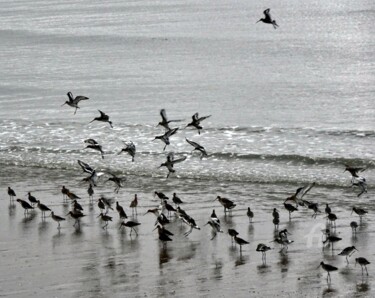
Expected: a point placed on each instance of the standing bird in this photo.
(121, 211)
(134, 205)
(103, 118)
(130, 149)
(227, 204)
(77, 216)
(43, 208)
(347, 252)
(240, 242)
(359, 211)
(165, 137)
(25, 205)
(332, 219)
(176, 199)
(164, 234)
(170, 163)
(263, 248)
(331, 239)
(164, 120)
(327, 210)
(354, 226)
(267, 19)
(90, 192)
(197, 147)
(232, 233)
(196, 121)
(57, 219)
(64, 192)
(11, 193)
(328, 268)
(106, 219)
(32, 199)
(250, 214)
(363, 263)
(77, 206)
(130, 224)
(73, 101)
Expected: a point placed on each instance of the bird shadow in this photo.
(164, 255)
(362, 286)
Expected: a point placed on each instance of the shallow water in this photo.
(288, 107)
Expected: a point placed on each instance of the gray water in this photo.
(288, 107)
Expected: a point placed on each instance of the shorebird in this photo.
(130, 149)
(162, 220)
(347, 252)
(107, 203)
(327, 210)
(197, 147)
(32, 199)
(240, 242)
(165, 137)
(72, 196)
(161, 196)
(331, 239)
(275, 213)
(25, 205)
(164, 120)
(168, 207)
(101, 205)
(42, 208)
(11, 194)
(121, 211)
(130, 224)
(232, 233)
(77, 206)
(250, 214)
(94, 175)
(134, 204)
(103, 118)
(267, 19)
(73, 101)
(77, 215)
(117, 180)
(359, 211)
(263, 248)
(290, 209)
(57, 219)
(300, 193)
(164, 234)
(276, 222)
(227, 204)
(332, 219)
(170, 163)
(187, 220)
(328, 268)
(313, 206)
(215, 225)
(214, 216)
(196, 120)
(356, 179)
(90, 192)
(354, 226)
(176, 199)
(106, 219)
(64, 192)
(362, 262)
(95, 146)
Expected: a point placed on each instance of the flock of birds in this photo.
(164, 211)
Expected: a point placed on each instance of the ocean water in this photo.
(288, 107)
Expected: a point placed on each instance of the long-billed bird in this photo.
(196, 121)
(92, 144)
(11, 193)
(164, 120)
(226, 203)
(328, 268)
(130, 224)
(103, 118)
(347, 252)
(117, 180)
(267, 18)
(197, 147)
(363, 263)
(25, 205)
(130, 149)
(73, 101)
(57, 219)
(165, 137)
(171, 161)
(263, 248)
(356, 179)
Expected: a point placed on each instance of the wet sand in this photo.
(38, 260)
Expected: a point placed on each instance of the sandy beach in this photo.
(41, 261)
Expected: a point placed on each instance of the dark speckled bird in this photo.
(130, 224)
(227, 204)
(25, 205)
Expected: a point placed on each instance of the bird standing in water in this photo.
(267, 18)
(73, 101)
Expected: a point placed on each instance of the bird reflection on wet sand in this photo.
(164, 255)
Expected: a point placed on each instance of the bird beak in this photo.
(99, 215)
(318, 266)
(351, 213)
(257, 22)
(214, 200)
(63, 104)
(67, 214)
(155, 228)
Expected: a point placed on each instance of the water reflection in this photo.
(362, 286)
(241, 260)
(11, 209)
(164, 255)
(328, 291)
(264, 268)
(217, 270)
(28, 217)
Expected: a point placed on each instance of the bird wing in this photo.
(102, 114)
(85, 167)
(195, 117)
(178, 160)
(171, 132)
(194, 144)
(91, 141)
(202, 118)
(80, 97)
(267, 14)
(163, 115)
(304, 190)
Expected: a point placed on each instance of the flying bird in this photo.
(267, 19)
(73, 101)
(129, 148)
(170, 163)
(196, 121)
(103, 118)
(197, 147)
(164, 120)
